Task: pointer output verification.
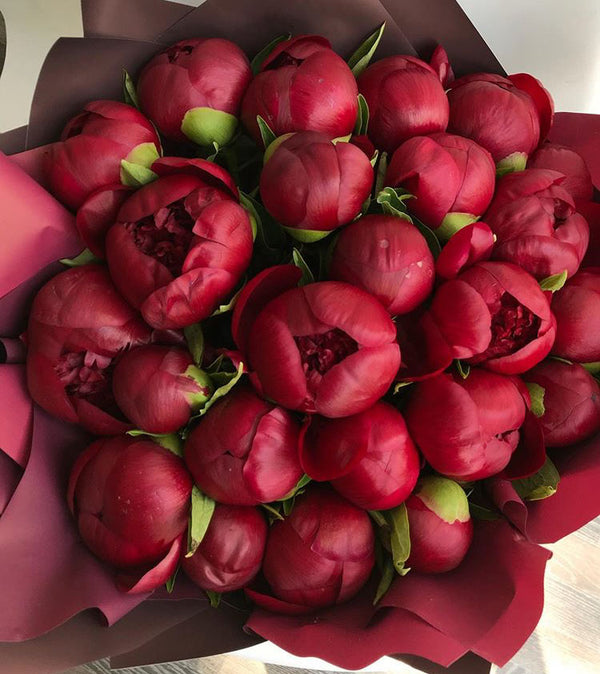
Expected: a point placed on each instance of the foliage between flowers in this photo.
(326, 293)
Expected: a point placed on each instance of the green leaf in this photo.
(274, 514)
(270, 239)
(214, 598)
(592, 368)
(170, 584)
(536, 393)
(224, 382)
(85, 257)
(213, 155)
(129, 93)
(136, 175)
(464, 369)
(170, 441)
(541, 485)
(300, 262)
(392, 201)
(381, 171)
(387, 576)
(302, 482)
(201, 513)
(479, 512)
(224, 308)
(266, 133)
(400, 385)
(361, 57)
(397, 519)
(554, 282)
(429, 236)
(378, 518)
(362, 120)
(195, 340)
(260, 58)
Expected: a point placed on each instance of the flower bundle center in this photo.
(166, 235)
(319, 353)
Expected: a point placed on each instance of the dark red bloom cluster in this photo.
(399, 291)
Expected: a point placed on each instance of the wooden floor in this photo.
(566, 641)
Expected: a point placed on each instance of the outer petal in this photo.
(469, 245)
(158, 575)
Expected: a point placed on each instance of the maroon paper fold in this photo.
(14, 140)
(130, 19)
(17, 414)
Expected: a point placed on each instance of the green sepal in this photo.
(170, 441)
(214, 598)
(300, 262)
(398, 386)
(517, 161)
(382, 165)
(592, 368)
(135, 175)
(260, 58)
(307, 235)
(201, 513)
(541, 485)
(229, 306)
(204, 382)
(129, 93)
(362, 120)
(554, 282)
(397, 519)
(170, 584)
(302, 482)
(273, 511)
(392, 201)
(363, 55)
(464, 369)
(85, 257)
(194, 336)
(452, 223)
(385, 582)
(224, 382)
(206, 126)
(536, 393)
(266, 132)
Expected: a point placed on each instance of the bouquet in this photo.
(296, 347)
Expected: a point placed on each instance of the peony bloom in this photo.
(467, 428)
(320, 555)
(244, 450)
(78, 326)
(312, 186)
(501, 115)
(470, 245)
(494, 314)
(388, 257)
(578, 181)
(327, 348)
(113, 487)
(452, 178)
(405, 99)
(440, 525)
(577, 310)
(92, 146)
(193, 90)
(303, 85)
(159, 387)
(537, 228)
(180, 244)
(368, 458)
(231, 552)
(571, 402)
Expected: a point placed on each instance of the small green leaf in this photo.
(429, 236)
(195, 341)
(260, 58)
(201, 513)
(300, 262)
(85, 257)
(214, 598)
(229, 306)
(136, 175)
(213, 155)
(170, 441)
(380, 174)
(592, 368)
(224, 382)
(536, 393)
(248, 205)
(374, 158)
(479, 512)
(464, 369)
(362, 56)
(170, 584)
(274, 514)
(392, 201)
(541, 485)
(554, 282)
(400, 385)
(129, 93)
(270, 238)
(378, 518)
(302, 482)
(266, 133)
(397, 519)
(362, 120)
(387, 576)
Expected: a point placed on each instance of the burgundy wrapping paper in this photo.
(78, 70)
(581, 132)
